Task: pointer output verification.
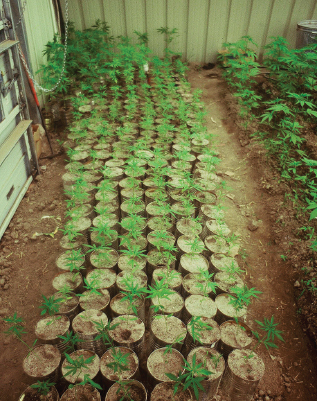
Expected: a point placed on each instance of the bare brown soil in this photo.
(255, 210)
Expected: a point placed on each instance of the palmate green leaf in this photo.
(69, 359)
(270, 328)
(313, 214)
(269, 344)
(87, 379)
(171, 376)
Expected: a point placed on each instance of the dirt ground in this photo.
(253, 206)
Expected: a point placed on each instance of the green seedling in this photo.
(194, 374)
(207, 286)
(196, 245)
(76, 367)
(160, 291)
(43, 387)
(50, 305)
(16, 330)
(120, 362)
(70, 340)
(196, 326)
(242, 296)
(270, 334)
(131, 293)
(103, 332)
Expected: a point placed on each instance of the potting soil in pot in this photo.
(242, 375)
(42, 362)
(212, 361)
(31, 394)
(166, 330)
(91, 369)
(129, 332)
(134, 390)
(161, 362)
(198, 305)
(233, 335)
(129, 367)
(85, 324)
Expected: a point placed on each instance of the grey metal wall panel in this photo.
(156, 18)
(197, 30)
(40, 27)
(135, 13)
(177, 17)
(115, 16)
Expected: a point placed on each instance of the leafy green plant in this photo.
(103, 332)
(158, 291)
(242, 296)
(269, 327)
(196, 325)
(16, 329)
(120, 361)
(71, 340)
(194, 374)
(76, 368)
(132, 292)
(50, 305)
(207, 285)
(43, 387)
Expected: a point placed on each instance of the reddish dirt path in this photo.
(290, 370)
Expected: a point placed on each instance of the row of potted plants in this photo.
(148, 283)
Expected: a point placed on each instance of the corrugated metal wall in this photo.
(40, 25)
(203, 24)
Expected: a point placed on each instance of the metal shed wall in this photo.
(40, 26)
(203, 24)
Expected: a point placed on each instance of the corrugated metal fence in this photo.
(203, 25)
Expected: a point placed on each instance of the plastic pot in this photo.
(162, 361)
(80, 392)
(192, 263)
(72, 280)
(165, 391)
(92, 300)
(48, 329)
